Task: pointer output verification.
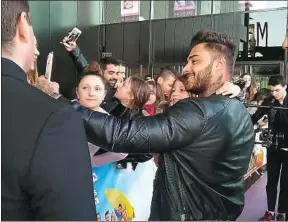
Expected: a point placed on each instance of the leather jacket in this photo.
(79, 60)
(115, 108)
(205, 146)
(109, 104)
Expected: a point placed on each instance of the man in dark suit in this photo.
(46, 169)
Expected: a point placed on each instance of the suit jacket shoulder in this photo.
(36, 131)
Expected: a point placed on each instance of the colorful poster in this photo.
(184, 8)
(130, 11)
(258, 158)
(123, 194)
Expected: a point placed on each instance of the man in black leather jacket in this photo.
(205, 143)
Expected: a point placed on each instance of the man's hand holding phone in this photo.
(70, 41)
(69, 45)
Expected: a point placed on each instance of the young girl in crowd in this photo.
(155, 101)
(88, 94)
(91, 91)
(179, 92)
(130, 99)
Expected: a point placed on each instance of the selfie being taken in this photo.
(144, 110)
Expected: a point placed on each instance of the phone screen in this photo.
(49, 65)
(74, 35)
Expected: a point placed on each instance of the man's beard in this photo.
(200, 82)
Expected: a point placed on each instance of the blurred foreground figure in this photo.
(46, 168)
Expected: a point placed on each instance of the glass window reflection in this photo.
(239, 6)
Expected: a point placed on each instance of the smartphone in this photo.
(49, 64)
(74, 35)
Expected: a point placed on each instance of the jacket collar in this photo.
(10, 68)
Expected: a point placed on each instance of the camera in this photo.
(270, 139)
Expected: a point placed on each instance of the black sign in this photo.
(261, 32)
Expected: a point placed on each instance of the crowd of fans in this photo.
(186, 126)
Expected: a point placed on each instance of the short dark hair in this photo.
(219, 43)
(106, 61)
(276, 80)
(167, 72)
(10, 12)
(121, 62)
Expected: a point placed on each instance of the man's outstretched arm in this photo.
(178, 127)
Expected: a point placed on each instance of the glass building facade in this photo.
(158, 32)
(262, 26)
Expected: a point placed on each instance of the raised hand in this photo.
(229, 89)
(69, 45)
